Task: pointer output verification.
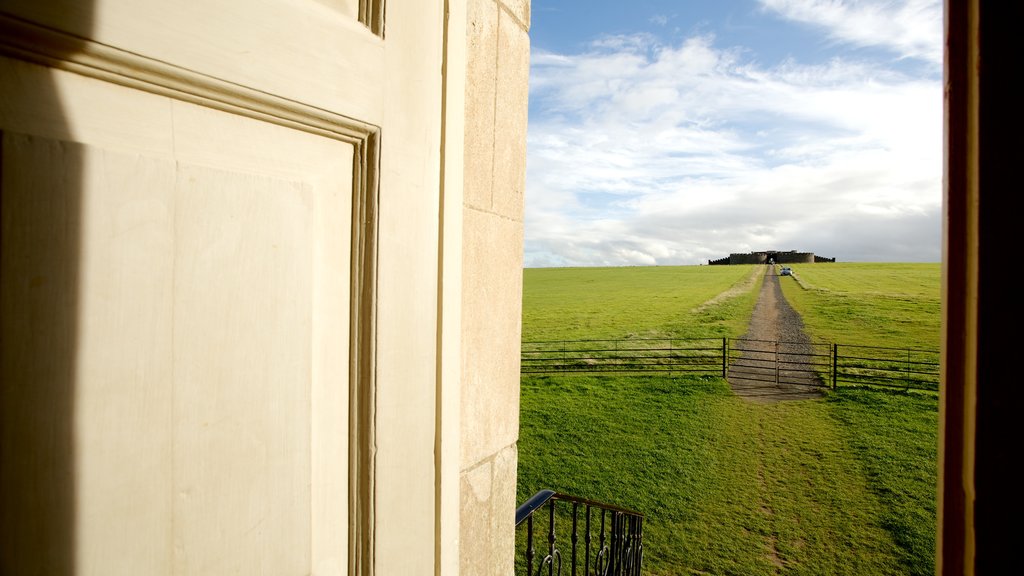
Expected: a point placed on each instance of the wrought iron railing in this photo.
(561, 534)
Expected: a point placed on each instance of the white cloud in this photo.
(644, 153)
(910, 28)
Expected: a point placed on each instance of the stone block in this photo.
(521, 10)
(475, 522)
(510, 119)
(491, 331)
(481, 66)
(503, 506)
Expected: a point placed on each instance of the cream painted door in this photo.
(219, 227)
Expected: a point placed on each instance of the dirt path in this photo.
(775, 331)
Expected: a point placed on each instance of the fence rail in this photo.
(701, 356)
(880, 366)
(817, 363)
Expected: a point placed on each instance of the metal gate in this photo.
(776, 363)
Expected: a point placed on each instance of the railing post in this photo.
(639, 545)
(575, 535)
(776, 362)
(725, 357)
(586, 542)
(908, 371)
(835, 364)
(611, 544)
(634, 547)
(616, 556)
(551, 539)
(530, 551)
(671, 357)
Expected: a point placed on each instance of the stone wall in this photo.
(788, 257)
(794, 258)
(497, 75)
(748, 258)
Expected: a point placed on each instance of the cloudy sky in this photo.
(668, 132)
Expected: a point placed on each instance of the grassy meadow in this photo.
(841, 485)
(862, 304)
(638, 302)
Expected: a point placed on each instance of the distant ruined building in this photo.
(772, 256)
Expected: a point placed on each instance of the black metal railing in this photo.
(556, 532)
(798, 363)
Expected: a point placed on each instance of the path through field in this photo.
(734, 482)
(773, 322)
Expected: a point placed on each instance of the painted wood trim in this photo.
(37, 44)
(371, 14)
(955, 538)
(362, 355)
(34, 43)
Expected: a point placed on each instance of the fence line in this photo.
(699, 355)
(833, 364)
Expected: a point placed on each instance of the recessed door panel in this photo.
(183, 320)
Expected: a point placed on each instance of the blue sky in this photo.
(674, 132)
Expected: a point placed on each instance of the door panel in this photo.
(242, 371)
(204, 340)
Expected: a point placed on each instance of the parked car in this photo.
(786, 271)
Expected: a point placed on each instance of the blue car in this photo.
(786, 271)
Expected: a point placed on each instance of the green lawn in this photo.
(887, 304)
(841, 485)
(849, 303)
(639, 302)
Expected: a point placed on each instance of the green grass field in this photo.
(640, 302)
(842, 485)
(869, 304)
